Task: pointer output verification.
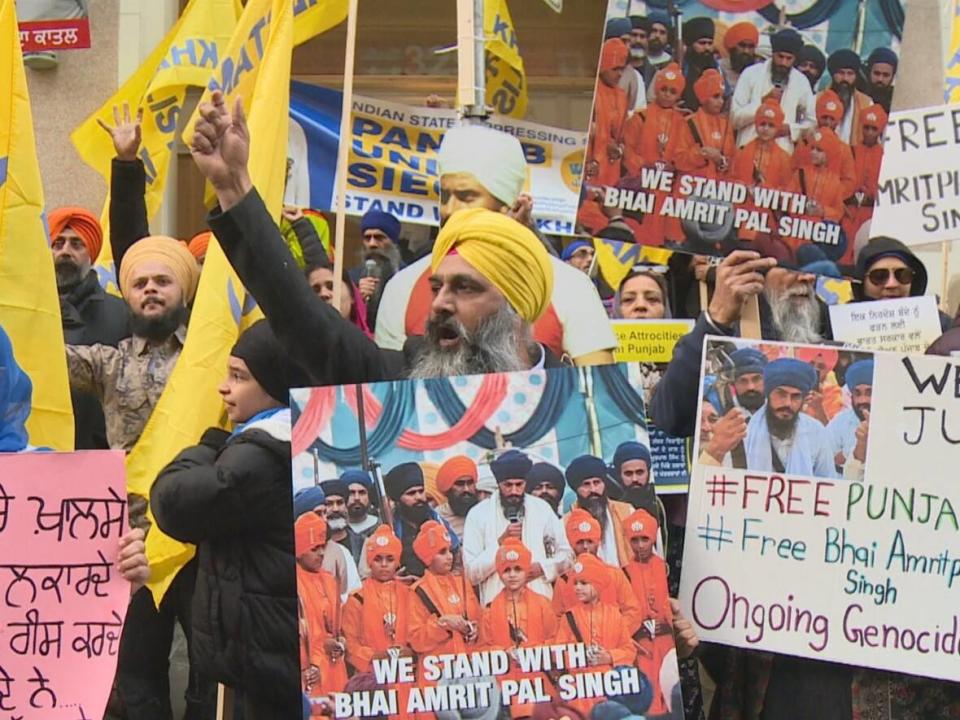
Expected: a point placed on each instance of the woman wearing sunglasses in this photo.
(888, 269)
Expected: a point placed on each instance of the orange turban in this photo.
(430, 541)
(453, 469)
(639, 523)
(671, 76)
(198, 244)
(383, 542)
(827, 140)
(829, 105)
(613, 54)
(874, 115)
(741, 32)
(581, 525)
(810, 354)
(589, 568)
(512, 553)
(82, 222)
(769, 111)
(710, 83)
(310, 530)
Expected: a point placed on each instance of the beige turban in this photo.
(505, 252)
(495, 158)
(172, 253)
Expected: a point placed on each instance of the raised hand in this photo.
(221, 148)
(125, 133)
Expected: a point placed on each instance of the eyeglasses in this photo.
(880, 276)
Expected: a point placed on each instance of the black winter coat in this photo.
(235, 504)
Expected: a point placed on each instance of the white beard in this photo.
(796, 318)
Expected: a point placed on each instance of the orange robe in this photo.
(547, 330)
(842, 165)
(616, 592)
(363, 621)
(610, 114)
(823, 185)
(649, 583)
(319, 596)
(530, 613)
(596, 624)
(714, 132)
(446, 594)
(763, 164)
(866, 178)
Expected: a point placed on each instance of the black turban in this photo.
(268, 362)
(402, 478)
(787, 40)
(698, 28)
(844, 59)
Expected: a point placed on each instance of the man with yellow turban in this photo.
(491, 278)
(89, 315)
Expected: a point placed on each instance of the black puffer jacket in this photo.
(234, 501)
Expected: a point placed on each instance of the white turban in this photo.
(493, 157)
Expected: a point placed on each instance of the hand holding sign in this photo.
(739, 277)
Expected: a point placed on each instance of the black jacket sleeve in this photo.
(313, 252)
(128, 206)
(201, 496)
(673, 407)
(330, 349)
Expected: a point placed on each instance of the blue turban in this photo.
(584, 467)
(883, 55)
(15, 393)
(403, 477)
(630, 450)
(383, 221)
(787, 40)
(789, 372)
(573, 247)
(358, 477)
(659, 17)
(511, 465)
(859, 373)
(748, 360)
(843, 59)
(609, 710)
(307, 500)
(335, 488)
(545, 472)
(617, 27)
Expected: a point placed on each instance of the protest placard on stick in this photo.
(907, 325)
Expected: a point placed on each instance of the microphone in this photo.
(371, 268)
(513, 514)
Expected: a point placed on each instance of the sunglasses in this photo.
(880, 276)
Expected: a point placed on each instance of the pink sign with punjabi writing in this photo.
(62, 600)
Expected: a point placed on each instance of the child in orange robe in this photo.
(610, 113)
(867, 157)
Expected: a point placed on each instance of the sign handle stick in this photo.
(750, 319)
(471, 52)
(944, 276)
(344, 148)
(224, 702)
(704, 295)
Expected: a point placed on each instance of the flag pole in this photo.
(471, 81)
(343, 151)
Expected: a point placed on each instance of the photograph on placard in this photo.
(729, 126)
(487, 518)
(802, 410)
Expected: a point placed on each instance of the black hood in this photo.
(881, 247)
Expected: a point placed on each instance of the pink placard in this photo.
(62, 600)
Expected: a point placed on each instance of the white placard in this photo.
(907, 325)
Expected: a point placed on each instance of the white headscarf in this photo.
(493, 157)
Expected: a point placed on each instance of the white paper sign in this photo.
(865, 572)
(907, 325)
(919, 197)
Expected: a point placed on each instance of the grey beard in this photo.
(389, 256)
(68, 274)
(798, 323)
(337, 523)
(492, 348)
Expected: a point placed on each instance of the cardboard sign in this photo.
(907, 325)
(858, 565)
(701, 179)
(919, 184)
(62, 600)
(510, 651)
(393, 165)
(648, 341)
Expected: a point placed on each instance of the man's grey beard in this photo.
(637, 53)
(68, 273)
(337, 522)
(388, 256)
(796, 321)
(493, 347)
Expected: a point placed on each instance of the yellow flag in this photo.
(29, 306)
(615, 259)
(952, 90)
(256, 67)
(186, 57)
(314, 17)
(506, 80)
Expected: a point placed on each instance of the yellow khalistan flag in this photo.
(29, 306)
(185, 57)
(256, 67)
(506, 80)
(313, 17)
(951, 93)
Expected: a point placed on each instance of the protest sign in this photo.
(62, 600)
(857, 565)
(527, 431)
(675, 152)
(907, 325)
(919, 180)
(393, 166)
(47, 25)
(650, 343)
